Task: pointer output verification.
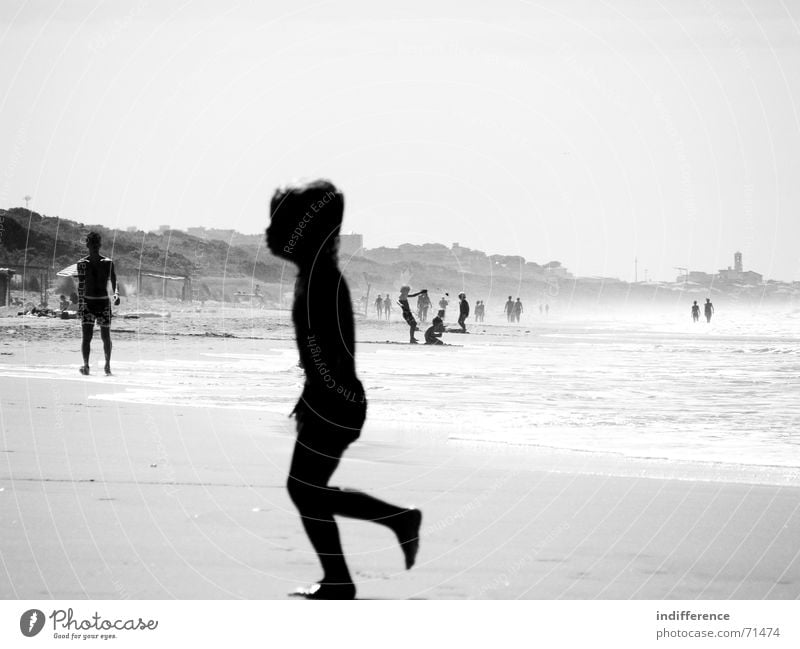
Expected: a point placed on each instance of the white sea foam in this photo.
(674, 392)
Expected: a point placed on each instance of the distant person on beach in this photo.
(541, 308)
(463, 311)
(479, 311)
(379, 306)
(709, 309)
(423, 304)
(443, 305)
(94, 273)
(406, 311)
(387, 306)
(510, 309)
(517, 310)
(426, 304)
(63, 303)
(333, 406)
(695, 311)
(433, 334)
(546, 310)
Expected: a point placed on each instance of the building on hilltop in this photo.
(555, 269)
(737, 274)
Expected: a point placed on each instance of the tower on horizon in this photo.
(737, 261)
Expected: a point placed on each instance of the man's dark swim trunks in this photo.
(96, 310)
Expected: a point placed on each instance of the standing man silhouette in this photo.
(304, 228)
(517, 310)
(94, 273)
(709, 309)
(510, 309)
(463, 311)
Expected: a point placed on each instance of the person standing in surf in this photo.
(695, 311)
(463, 311)
(406, 311)
(387, 306)
(708, 309)
(443, 305)
(379, 306)
(304, 229)
(517, 310)
(509, 309)
(94, 273)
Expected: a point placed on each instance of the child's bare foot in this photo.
(407, 530)
(326, 591)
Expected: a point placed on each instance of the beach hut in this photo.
(5, 285)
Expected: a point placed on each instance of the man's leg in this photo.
(87, 332)
(105, 334)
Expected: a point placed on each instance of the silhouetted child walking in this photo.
(333, 406)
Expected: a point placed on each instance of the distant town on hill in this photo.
(225, 265)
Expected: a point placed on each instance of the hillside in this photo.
(36, 240)
(219, 268)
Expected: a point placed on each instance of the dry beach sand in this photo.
(168, 478)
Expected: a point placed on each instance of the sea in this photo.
(722, 399)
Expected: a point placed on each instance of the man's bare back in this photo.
(98, 270)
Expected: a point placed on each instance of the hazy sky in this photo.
(588, 132)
